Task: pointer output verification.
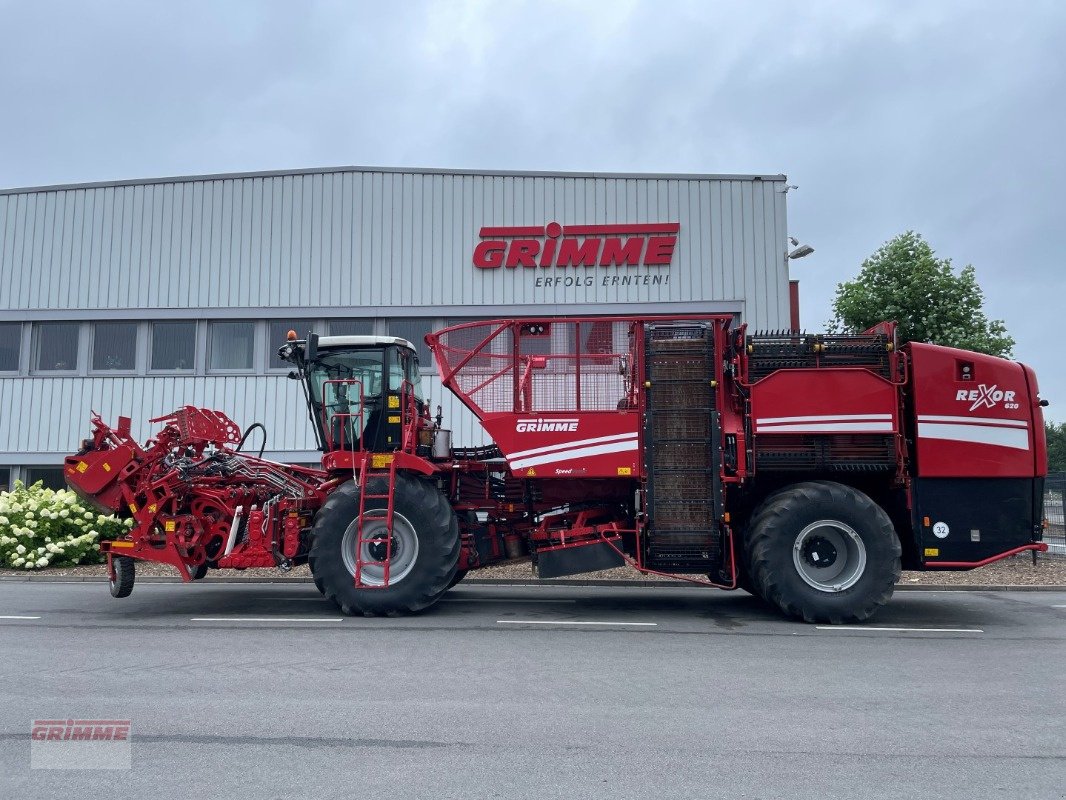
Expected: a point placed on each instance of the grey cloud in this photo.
(941, 117)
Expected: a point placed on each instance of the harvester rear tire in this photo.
(459, 575)
(823, 552)
(425, 540)
(125, 573)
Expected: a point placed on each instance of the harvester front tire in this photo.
(823, 552)
(425, 548)
(125, 573)
(459, 575)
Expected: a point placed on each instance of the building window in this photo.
(115, 346)
(57, 346)
(359, 326)
(232, 346)
(414, 330)
(173, 345)
(276, 337)
(468, 338)
(10, 345)
(51, 477)
(5, 479)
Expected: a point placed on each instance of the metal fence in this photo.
(1054, 523)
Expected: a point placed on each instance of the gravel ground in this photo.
(1017, 571)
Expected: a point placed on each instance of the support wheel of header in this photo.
(198, 571)
(125, 570)
(424, 548)
(823, 552)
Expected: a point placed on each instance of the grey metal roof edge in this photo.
(221, 176)
(283, 313)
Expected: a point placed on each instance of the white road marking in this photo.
(11, 616)
(560, 622)
(267, 619)
(499, 600)
(896, 630)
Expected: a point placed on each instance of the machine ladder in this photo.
(363, 555)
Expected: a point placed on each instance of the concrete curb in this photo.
(666, 584)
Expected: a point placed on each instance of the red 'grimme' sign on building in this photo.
(650, 244)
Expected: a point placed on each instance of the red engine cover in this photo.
(975, 415)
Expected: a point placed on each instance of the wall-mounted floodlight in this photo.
(801, 251)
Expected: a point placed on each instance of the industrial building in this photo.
(137, 297)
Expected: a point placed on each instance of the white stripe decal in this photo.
(581, 452)
(820, 418)
(828, 427)
(1014, 423)
(978, 434)
(576, 443)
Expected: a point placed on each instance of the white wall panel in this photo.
(359, 239)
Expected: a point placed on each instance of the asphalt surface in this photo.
(265, 691)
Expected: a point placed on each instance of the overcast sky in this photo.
(946, 118)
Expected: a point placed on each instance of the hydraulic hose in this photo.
(247, 431)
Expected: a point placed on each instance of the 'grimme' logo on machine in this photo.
(986, 397)
(553, 245)
(544, 425)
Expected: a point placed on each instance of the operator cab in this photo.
(357, 388)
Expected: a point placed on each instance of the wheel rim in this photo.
(404, 548)
(117, 568)
(829, 555)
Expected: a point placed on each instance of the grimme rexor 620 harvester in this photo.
(806, 469)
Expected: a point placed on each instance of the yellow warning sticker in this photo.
(169, 526)
(380, 460)
(133, 508)
(932, 551)
(625, 470)
(394, 402)
(151, 508)
(122, 544)
(107, 467)
(531, 473)
(82, 466)
(394, 419)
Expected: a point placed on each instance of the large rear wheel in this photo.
(823, 552)
(423, 550)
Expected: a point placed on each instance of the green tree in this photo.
(905, 281)
(1056, 446)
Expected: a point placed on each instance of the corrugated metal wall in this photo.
(350, 241)
(371, 239)
(49, 416)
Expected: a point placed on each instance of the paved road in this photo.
(264, 691)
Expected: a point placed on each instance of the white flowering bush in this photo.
(44, 528)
